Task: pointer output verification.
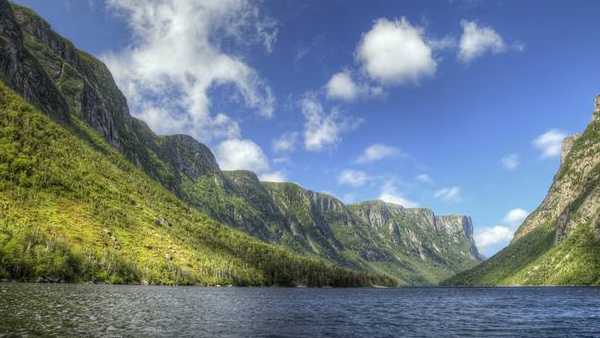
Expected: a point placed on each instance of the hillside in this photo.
(412, 245)
(75, 211)
(558, 244)
(78, 92)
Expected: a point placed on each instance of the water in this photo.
(155, 311)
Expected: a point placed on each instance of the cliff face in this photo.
(559, 242)
(48, 71)
(412, 245)
(78, 91)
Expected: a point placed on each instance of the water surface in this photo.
(156, 311)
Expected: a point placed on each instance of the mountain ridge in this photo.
(70, 85)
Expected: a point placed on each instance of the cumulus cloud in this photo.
(550, 143)
(377, 152)
(241, 155)
(492, 236)
(352, 178)
(390, 194)
(287, 142)
(341, 86)
(448, 195)
(424, 178)
(395, 52)
(497, 234)
(510, 162)
(276, 176)
(323, 129)
(175, 59)
(515, 217)
(478, 40)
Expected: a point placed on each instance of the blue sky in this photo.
(458, 106)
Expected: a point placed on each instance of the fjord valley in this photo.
(322, 169)
(90, 193)
(558, 244)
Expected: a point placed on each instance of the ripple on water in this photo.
(154, 311)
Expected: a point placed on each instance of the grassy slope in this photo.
(535, 259)
(532, 260)
(74, 211)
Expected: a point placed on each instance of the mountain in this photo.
(559, 243)
(411, 245)
(74, 208)
(77, 91)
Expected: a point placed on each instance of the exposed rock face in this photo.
(188, 156)
(572, 198)
(20, 70)
(568, 143)
(559, 242)
(78, 90)
(48, 71)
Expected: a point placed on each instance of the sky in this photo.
(455, 105)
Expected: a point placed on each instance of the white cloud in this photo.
(491, 236)
(510, 162)
(352, 178)
(377, 152)
(323, 129)
(550, 143)
(241, 155)
(395, 52)
(389, 194)
(287, 142)
(424, 178)
(448, 194)
(500, 233)
(341, 86)
(515, 217)
(175, 59)
(276, 176)
(478, 40)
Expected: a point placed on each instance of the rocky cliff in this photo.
(413, 245)
(78, 91)
(83, 186)
(48, 71)
(559, 243)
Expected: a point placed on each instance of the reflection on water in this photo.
(156, 311)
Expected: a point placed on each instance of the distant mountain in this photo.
(77, 91)
(559, 243)
(412, 245)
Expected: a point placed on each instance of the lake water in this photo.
(61, 310)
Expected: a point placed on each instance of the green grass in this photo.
(82, 212)
(498, 269)
(533, 260)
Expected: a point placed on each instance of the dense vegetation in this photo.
(76, 211)
(498, 269)
(132, 165)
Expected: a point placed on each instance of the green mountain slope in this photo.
(559, 243)
(77, 91)
(77, 211)
(411, 245)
